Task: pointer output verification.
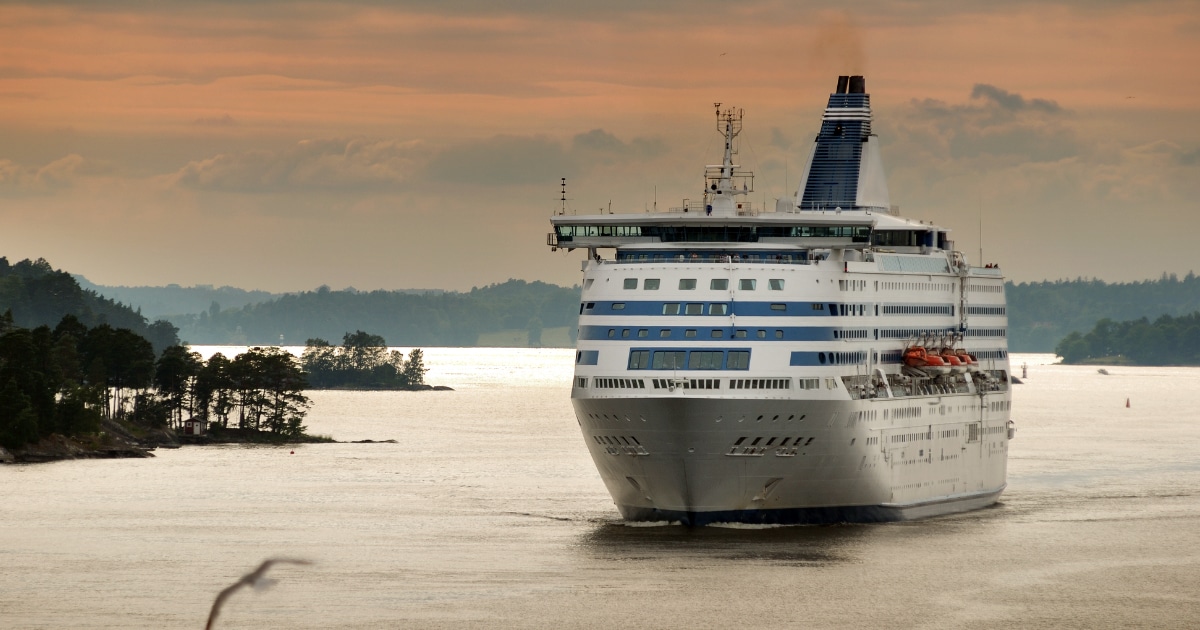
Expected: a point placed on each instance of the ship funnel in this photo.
(845, 169)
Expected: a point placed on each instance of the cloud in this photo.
(518, 160)
(56, 175)
(994, 124)
(331, 164)
(1012, 101)
(358, 164)
(601, 145)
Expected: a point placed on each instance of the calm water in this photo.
(488, 513)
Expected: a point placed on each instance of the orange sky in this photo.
(386, 145)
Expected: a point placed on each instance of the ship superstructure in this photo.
(824, 361)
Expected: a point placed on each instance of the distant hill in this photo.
(39, 295)
(401, 318)
(176, 300)
(173, 299)
(1041, 314)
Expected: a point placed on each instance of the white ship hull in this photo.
(680, 459)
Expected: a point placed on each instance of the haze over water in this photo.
(489, 513)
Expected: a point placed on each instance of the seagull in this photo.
(254, 579)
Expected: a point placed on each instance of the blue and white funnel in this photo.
(845, 170)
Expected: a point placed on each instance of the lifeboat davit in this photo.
(918, 357)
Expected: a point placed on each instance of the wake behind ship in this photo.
(825, 361)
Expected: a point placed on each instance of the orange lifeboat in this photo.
(954, 361)
(918, 357)
(967, 358)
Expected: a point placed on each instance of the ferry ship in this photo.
(822, 361)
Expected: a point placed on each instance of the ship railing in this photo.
(687, 259)
(744, 208)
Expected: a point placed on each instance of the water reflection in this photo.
(823, 545)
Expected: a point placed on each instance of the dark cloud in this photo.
(503, 160)
(993, 123)
(1012, 101)
(601, 144)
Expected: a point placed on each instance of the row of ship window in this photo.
(604, 382)
(844, 310)
(716, 284)
(740, 359)
(689, 359)
(691, 333)
(916, 286)
(838, 334)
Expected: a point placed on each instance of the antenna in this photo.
(980, 263)
(563, 200)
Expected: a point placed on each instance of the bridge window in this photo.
(719, 284)
(739, 360)
(700, 360)
(687, 284)
(747, 284)
(669, 360)
(639, 359)
(775, 284)
(630, 283)
(650, 284)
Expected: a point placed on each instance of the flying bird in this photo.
(253, 579)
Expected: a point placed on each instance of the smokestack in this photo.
(842, 82)
(858, 85)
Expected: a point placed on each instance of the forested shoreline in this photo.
(1043, 314)
(106, 388)
(1164, 341)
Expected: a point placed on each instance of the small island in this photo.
(1165, 341)
(75, 391)
(363, 361)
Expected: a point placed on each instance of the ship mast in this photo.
(723, 183)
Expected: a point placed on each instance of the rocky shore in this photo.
(115, 441)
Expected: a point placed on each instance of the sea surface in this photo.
(487, 512)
